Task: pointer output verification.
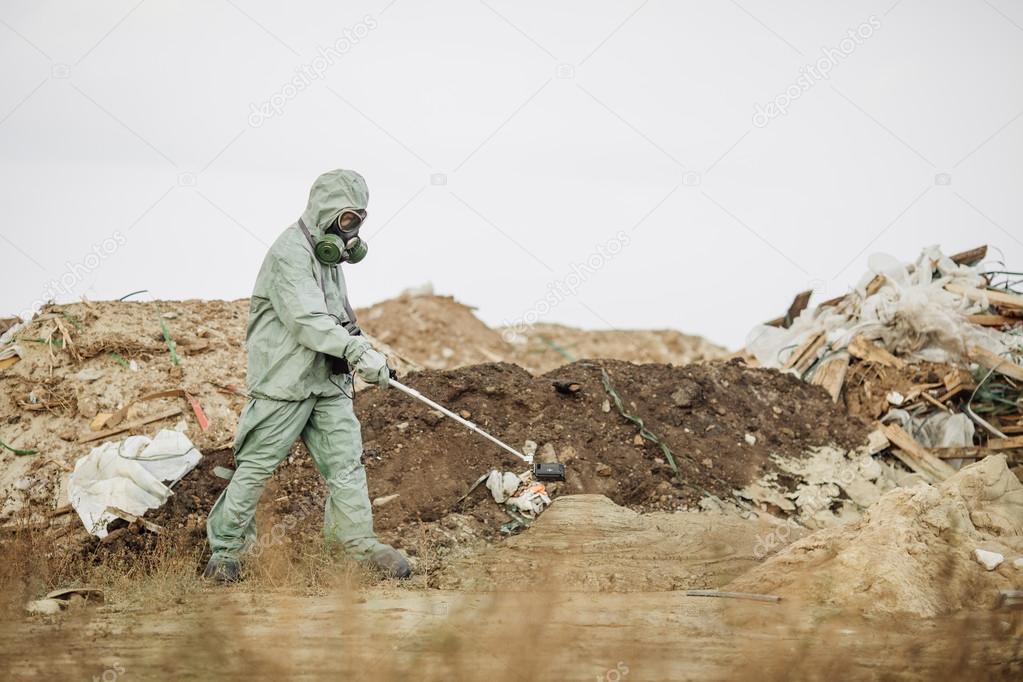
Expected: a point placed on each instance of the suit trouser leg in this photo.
(334, 438)
(266, 431)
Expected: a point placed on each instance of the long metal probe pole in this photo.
(408, 390)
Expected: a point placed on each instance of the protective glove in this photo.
(372, 368)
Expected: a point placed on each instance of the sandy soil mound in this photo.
(588, 543)
(438, 332)
(542, 347)
(912, 552)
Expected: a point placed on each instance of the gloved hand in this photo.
(372, 367)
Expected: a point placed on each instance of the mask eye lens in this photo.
(348, 220)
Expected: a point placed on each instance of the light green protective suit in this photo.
(294, 325)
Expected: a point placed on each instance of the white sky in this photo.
(555, 125)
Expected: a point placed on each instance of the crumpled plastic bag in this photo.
(129, 475)
(531, 501)
(502, 485)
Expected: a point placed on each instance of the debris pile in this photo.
(923, 550)
(931, 349)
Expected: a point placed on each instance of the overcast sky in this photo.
(650, 163)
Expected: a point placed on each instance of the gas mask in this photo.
(341, 242)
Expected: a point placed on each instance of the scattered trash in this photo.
(502, 485)
(88, 374)
(46, 607)
(16, 451)
(989, 560)
(381, 501)
(59, 600)
(129, 475)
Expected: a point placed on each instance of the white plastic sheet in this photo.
(129, 475)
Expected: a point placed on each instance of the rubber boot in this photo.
(222, 570)
(390, 562)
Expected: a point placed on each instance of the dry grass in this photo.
(305, 608)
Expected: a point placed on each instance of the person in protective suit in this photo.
(302, 346)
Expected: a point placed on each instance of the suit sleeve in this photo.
(298, 301)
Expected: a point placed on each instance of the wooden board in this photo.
(803, 356)
(1005, 443)
(961, 453)
(869, 351)
(915, 456)
(986, 358)
(90, 437)
(797, 306)
(830, 374)
(971, 257)
(996, 298)
(993, 320)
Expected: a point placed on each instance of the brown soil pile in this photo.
(701, 412)
(912, 552)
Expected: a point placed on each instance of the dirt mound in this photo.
(588, 543)
(912, 552)
(115, 353)
(703, 413)
(543, 347)
(438, 332)
(435, 332)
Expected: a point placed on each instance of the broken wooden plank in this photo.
(997, 298)
(915, 456)
(166, 414)
(934, 401)
(774, 599)
(955, 382)
(986, 358)
(132, 518)
(804, 355)
(1005, 443)
(797, 306)
(985, 320)
(961, 453)
(830, 375)
(864, 349)
(970, 257)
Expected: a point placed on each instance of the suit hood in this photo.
(332, 193)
